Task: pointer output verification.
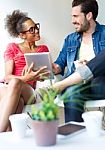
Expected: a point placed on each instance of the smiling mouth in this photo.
(76, 24)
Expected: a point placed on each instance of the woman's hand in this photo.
(40, 74)
(24, 71)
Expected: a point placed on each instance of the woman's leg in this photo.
(9, 100)
(20, 106)
(12, 100)
(19, 110)
(28, 94)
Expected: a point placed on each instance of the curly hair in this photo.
(14, 22)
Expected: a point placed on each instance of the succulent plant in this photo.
(48, 109)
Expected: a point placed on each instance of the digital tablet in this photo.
(39, 60)
(69, 128)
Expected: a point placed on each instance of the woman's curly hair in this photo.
(14, 22)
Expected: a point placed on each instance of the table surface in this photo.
(76, 141)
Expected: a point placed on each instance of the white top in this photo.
(77, 141)
(86, 51)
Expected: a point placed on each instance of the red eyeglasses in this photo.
(33, 29)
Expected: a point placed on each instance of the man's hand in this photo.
(56, 68)
(78, 63)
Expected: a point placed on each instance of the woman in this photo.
(19, 25)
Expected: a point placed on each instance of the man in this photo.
(83, 45)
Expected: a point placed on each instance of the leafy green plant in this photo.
(48, 110)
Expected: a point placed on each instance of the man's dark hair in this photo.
(87, 6)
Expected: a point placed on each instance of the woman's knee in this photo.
(15, 83)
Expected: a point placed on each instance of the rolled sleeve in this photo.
(85, 72)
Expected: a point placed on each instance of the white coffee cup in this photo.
(19, 124)
(93, 122)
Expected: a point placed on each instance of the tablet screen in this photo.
(39, 60)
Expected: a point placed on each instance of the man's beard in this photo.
(84, 27)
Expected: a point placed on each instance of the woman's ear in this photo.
(22, 36)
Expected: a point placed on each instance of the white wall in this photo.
(54, 16)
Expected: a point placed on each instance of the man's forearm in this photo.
(75, 78)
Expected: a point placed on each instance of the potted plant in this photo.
(45, 119)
